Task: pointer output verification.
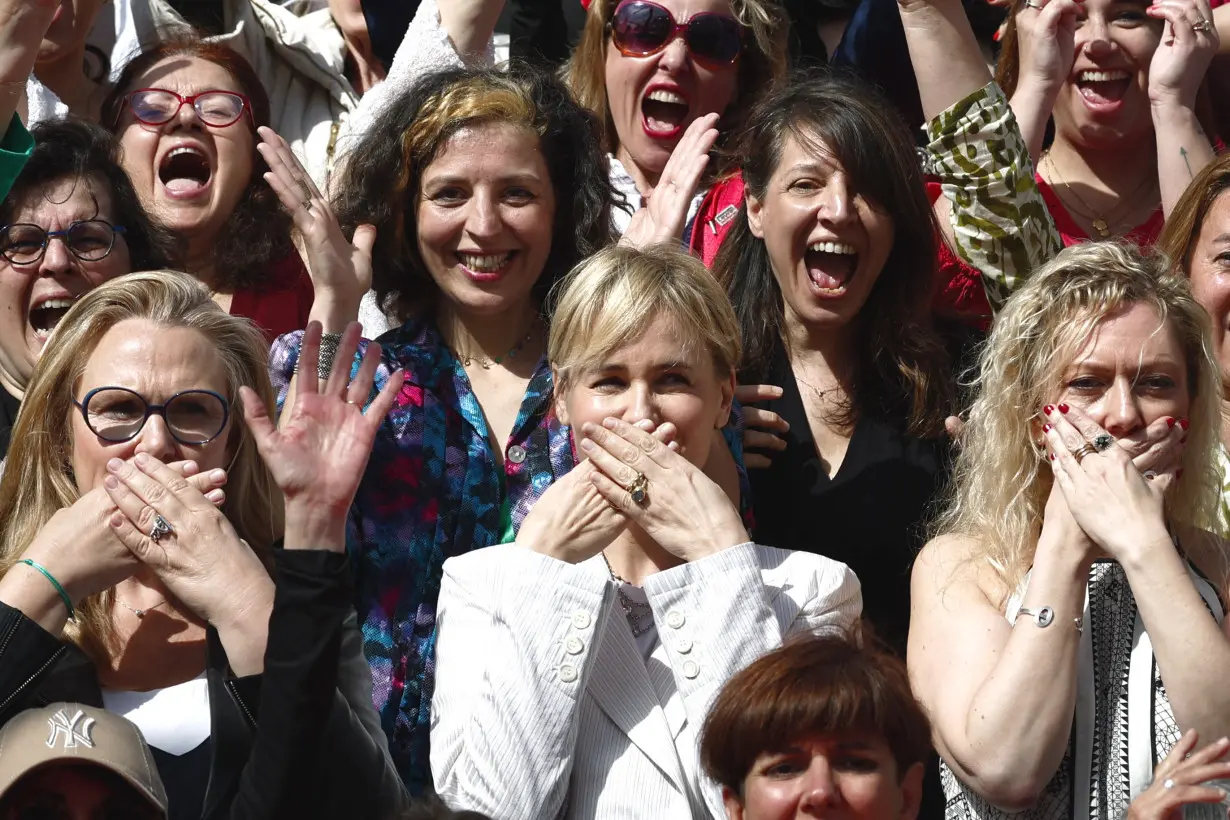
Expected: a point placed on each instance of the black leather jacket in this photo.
(300, 740)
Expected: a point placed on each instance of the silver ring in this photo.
(160, 529)
(1168, 783)
(1103, 442)
(1149, 475)
(1202, 25)
(1035, 6)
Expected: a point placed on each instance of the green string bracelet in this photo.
(68, 602)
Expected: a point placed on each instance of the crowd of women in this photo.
(676, 434)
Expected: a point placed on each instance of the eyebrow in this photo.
(455, 179)
(1224, 239)
(669, 365)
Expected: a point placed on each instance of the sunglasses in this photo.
(640, 28)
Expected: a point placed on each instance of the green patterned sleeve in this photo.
(15, 149)
(1000, 221)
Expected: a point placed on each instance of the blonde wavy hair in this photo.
(999, 488)
(612, 297)
(38, 478)
(761, 66)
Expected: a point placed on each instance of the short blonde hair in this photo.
(611, 298)
(38, 480)
(761, 66)
(1000, 487)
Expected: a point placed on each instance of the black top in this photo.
(870, 515)
(8, 417)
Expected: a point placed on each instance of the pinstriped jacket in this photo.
(546, 708)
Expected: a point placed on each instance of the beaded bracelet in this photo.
(68, 602)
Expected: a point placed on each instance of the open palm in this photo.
(320, 452)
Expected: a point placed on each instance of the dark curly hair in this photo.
(382, 179)
(74, 149)
(903, 374)
(258, 231)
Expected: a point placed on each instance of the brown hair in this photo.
(258, 231)
(817, 685)
(761, 66)
(1182, 229)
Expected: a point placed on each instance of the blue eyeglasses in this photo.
(116, 414)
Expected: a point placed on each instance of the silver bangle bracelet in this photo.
(328, 352)
(1044, 617)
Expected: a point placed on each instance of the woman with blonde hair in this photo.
(129, 579)
(577, 664)
(1067, 620)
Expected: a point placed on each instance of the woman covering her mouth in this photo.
(71, 221)
(186, 113)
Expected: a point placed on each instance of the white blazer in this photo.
(544, 706)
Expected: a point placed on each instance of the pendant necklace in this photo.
(639, 615)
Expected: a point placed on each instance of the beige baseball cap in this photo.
(75, 733)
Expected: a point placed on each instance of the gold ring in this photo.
(639, 489)
(1084, 450)
(303, 186)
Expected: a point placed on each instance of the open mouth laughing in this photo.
(664, 111)
(831, 267)
(185, 172)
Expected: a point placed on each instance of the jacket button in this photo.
(683, 647)
(574, 645)
(567, 673)
(580, 619)
(516, 454)
(675, 619)
(690, 670)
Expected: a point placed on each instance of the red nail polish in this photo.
(1170, 422)
(1046, 411)
(1184, 423)
(997, 35)
(1063, 408)
(1052, 456)
(1046, 428)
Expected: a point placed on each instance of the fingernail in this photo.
(1052, 456)
(117, 521)
(609, 423)
(215, 496)
(1184, 423)
(1063, 408)
(586, 445)
(1046, 411)
(218, 476)
(111, 482)
(997, 36)
(114, 465)
(1170, 422)
(1046, 428)
(141, 459)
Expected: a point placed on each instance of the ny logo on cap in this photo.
(75, 730)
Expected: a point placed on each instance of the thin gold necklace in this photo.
(486, 363)
(1100, 223)
(141, 613)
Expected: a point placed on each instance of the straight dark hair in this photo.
(903, 374)
(74, 149)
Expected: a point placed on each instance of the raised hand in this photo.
(682, 509)
(1046, 37)
(320, 451)
(1189, 43)
(341, 270)
(665, 213)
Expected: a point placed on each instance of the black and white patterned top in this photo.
(1123, 724)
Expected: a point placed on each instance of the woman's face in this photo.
(485, 218)
(157, 362)
(832, 777)
(654, 99)
(1130, 373)
(660, 377)
(1106, 96)
(33, 298)
(826, 242)
(189, 175)
(1209, 270)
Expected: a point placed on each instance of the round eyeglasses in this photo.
(217, 109)
(116, 414)
(90, 240)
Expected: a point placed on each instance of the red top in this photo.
(282, 304)
(961, 293)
